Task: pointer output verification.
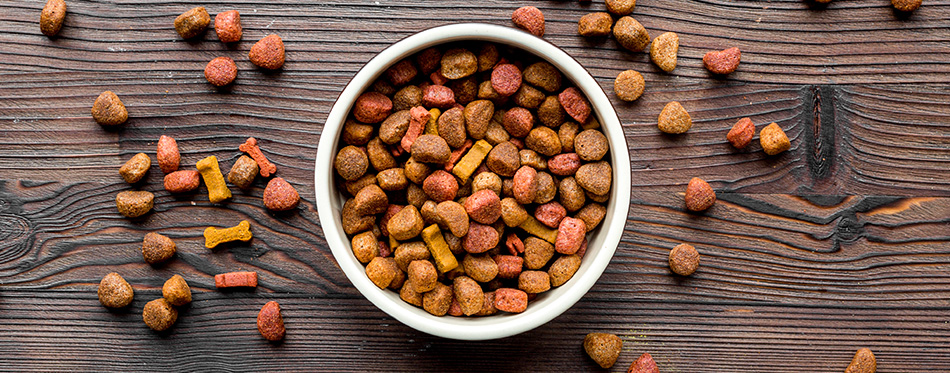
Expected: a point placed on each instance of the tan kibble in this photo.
(157, 248)
(176, 291)
(603, 348)
(422, 275)
(629, 85)
(135, 168)
(533, 282)
(592, 214)
(108, 110)
(563, 269)
(773, 139)
(381, 271)
(863, 362)
(114, 291)
(52, 16)
(487, 181)
(537, 253)
(438, 301)
(409, 252)
(469, 295)
(674, 119)
(159, 314)
(365, 247)
(192, 23)
(631, 34)
(481, 268)
(684, 259)
(664, 49)
(512, 212)
(243, 172)
(134, 203)
(620, 7)
(595, 24)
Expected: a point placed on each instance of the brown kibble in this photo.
(512, 212)
(422, 275)
(279, 195)
(906, 5)
(352, 220)
(518, 121)
(543, 75)
(631, 34)
(684, 259)
(408, 252)
(532, 159)
(192, 23)
(227, 25)
(451, 127)
(504, 159)
(664, 49)
(469, 295)
(537, 252)
(409, 295)
(270, 322)
(530, 19)
(480, 238)
(406, 98)
(351, 162)
(595, 24)
(592, 214)
(478, 116)
(629, 85)
(430, 149)
(595, 177)
(506, 79)
(182, 181)
(572, 196)
(511, 300)
(644, 364)
(167, 154)
(157, 248)
(674, 119)
(52, 16)
(364, 246)
(481, 268)
(863, 362)
(741, 133)
(487, 181)
(563, 269)
(114, 291)
(159, 314)
(591, 145)
(135, 168)
(534, 282)
(392, 179)
(108, 110)
(401, 73)
(438, 301)
(604, 348)
(243, 172)
(268, 53)
(722, 62)
(406, 224)
(453, 215)
(176, 291)
(133, 204)
(382, 271)
(355, 133)
(699, 195)
(458, 63)
(543, 140)
(621, 7)
(773, 139)
(575, 104)
(221, 71)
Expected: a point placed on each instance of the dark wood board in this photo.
(841, 243)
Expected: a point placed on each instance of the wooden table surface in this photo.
(840, 243)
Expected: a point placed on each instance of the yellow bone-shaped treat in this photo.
(444, 260)
(217, 190)
(432, 127)
(535, 228)
(215, 236)
(467, 165)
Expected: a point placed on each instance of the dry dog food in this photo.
(620, 7)
(268, 53)
(674, 119)
(906, 5)
(530, 19)
(699, 195)
(644, 364)
(211, 173)
(215, 236)
(603, 348)
(631, 34)
(167, 154)
(279, 195)
(595, 24)
(227, 25)
(270, 322)
(157, 248)
(773, 139)
(159, 315)
(235, 280)
(863, 362)
(135, 168)
(250, 147)
(192, 23)
(684, 259)
(483, 179)
(629, 85)
(52, 16)
(243, 172)
(114, 291)
(108, 110)
(221, 71)
(741, 133)
(664, 49)
(722, 62)
(133, 204)
(182, 181)
(176, 291)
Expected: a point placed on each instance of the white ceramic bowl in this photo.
(602, 241)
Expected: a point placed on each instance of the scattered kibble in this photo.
(268, 53)
(135, 168)
(530, 19)
(176, 291)
(700, 196)
(674, 119)
(684, 259)
(773, 139)
(227, 25)
(114, 291)
(722, 62)
(211, 173)
(192, 23)
(221, 71)
(108, 110)
(52, 16)
(603, 348)
(664, 49)
(629, 85)
(215, 236)
(133, 204)
(235, 280)
(159, 314)
(863, 362)
(270, 322)
(157, 248)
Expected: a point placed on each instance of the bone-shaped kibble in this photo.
(211, 173)
(250, 147)
(215, 236)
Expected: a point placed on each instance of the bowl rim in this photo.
(503, 324)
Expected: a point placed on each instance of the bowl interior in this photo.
(602, 241)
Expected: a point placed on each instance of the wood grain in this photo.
(838, 244)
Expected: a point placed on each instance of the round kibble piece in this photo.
(543, 75)
(551, 113)
(483, 206)
(592, 214)
(595, 177)
(674, 119)
(684, 259)
(525, 187)
(699, 195)
(166, 152)
(355, 133)
(108, 110)
(451, 127)
(664, 49)
(221, 71)
(227, 25)
(478, 116)
(157, 248)
(52, 16)
(572, 196)
(406, 224)
(176, 291)
(364, 246)
(537, 252)
(381, 271)
(133, 204)
(512, 212)
(547, 188)
(458, 63)
(603, 348)
(159, 314)
(773, 139)
(506, 79)
(481, 268)
(906, 5)
(114, 291)
(351, 163)
(406, 98)
(590, 145)
(392, 179)
(279, 195)
(564, 164)
(370, 200)
(621, 7)
(530, 19)
(440, 186)
(532, 159)
(631, 34)
(453, 215)
(518, 121)
(629, 85)
(410, 251)
(438, 301)
(270, 322)
(268, 53)
(480, 238)
(487, 181)
(563, 269)
(543, 140)
(862, 362)
(595, 24)
(192, 23)
(374, 107)
(182, 181)
(534, 282)
(504, 159)
(741, 133)
(135, 168)
(431, 149)
(243, 172)
(422, 275)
